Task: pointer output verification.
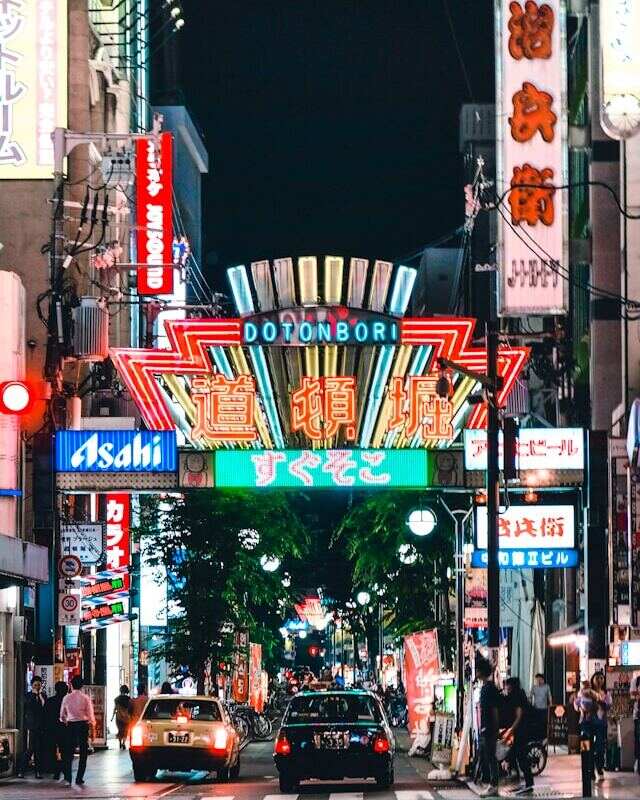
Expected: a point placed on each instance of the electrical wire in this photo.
(454, 36)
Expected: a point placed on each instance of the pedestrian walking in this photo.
(138, 703)
(517, 734)
(122, 713)
(76, 712)
(599, 722)
(488, 739)
(541, 701)
(634, 690)
(33, 732)
(55, 731)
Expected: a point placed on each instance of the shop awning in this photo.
(22, 561)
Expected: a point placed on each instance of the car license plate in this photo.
(173, 737)
(332, 740)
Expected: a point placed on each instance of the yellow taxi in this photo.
(180, 734)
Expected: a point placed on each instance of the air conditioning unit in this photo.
(91, 330)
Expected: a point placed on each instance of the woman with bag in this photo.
(122, 712)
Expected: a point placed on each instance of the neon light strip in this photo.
(241, 290)
(264, 385)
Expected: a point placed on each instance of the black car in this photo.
(334, 735)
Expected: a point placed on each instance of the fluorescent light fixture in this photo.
(241, 290)
(405, 278)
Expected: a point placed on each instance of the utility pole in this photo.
(493, 486)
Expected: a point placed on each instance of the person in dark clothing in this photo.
(166, 688)
(518, 731)
(122, 709)
(33, 733)
(55, 731)
(489, 709)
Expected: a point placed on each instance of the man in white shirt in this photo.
(76, 712)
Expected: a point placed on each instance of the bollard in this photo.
(586, 763)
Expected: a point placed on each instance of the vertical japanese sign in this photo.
(118, 529)
(33, 85)
(240, 675)
(154, 182)
(620, 67)
(256, 700)
(531, 134)
(421, 668)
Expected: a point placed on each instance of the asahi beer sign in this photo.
(153, 210)
(531, 134)
(116, 451)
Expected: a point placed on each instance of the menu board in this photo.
(618, 682)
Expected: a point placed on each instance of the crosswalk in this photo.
(310, 792)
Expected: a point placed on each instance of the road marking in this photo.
(346, 796)
(416, 794)
(219, 797)
(280, 797)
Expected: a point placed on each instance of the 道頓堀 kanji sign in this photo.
(531, 134)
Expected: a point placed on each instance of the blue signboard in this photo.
(116, 451)
(534, 558)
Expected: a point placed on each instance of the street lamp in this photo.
(363, 598)
(422, 521)
(269, 563)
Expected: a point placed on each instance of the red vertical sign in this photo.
(118, 529)
(421, 666)
(154, 183)
(256, 700)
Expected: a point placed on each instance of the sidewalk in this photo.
(562, 779)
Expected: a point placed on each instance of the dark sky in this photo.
(331, 125)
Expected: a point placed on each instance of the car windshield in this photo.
(203, 710)
(322, 707)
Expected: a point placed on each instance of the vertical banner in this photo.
(118, 530)
(475, 598)
(33, 85)
(619, 67)
(98, 698)
(240, 675)
(154, 184)
(421, 667)
(255, 677)
(532, 160)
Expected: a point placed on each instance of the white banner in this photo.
(531, 137)
(530, 527)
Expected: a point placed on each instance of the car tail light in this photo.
(220, 739)
(137, 736)
(381, 744)
(181, 719)
(283, 746)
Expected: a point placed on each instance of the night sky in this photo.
(331, 125)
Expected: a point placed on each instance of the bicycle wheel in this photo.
(262, 727)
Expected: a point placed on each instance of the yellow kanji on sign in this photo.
(224, 408)
(321, 405)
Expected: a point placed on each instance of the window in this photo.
(198, 710)
(333, 708)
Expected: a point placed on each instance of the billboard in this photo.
(530, 526)
(536, 448)
(116, 451)
(532, 158)
(322, 469)
(154, 195)
(33, 85)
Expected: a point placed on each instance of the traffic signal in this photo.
(313, 650)
(16, 397)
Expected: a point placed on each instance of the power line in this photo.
(463, 66)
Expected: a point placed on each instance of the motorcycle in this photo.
(398, 712)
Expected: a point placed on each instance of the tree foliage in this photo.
(215, 577)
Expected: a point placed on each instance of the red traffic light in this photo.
(16, 397)
(314, 651)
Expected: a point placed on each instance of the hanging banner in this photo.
(256, 700)
(421, 667)
(33, 85)
(531, 140)
(475, 598)
(118, 529)
(240, 675)
(154, 189)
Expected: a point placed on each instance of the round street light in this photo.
(269, 563)
(302, 634)
(363, 598)
(422, 521)
(407, 554)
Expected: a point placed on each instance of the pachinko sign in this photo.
(154, 214)
(531, 155)
(421, 667)
(33, 85)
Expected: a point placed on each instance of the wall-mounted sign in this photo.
(475, 598)
(154, 190)
(322, 469)
(69, 566)
(116, 451)
(86, 540)
(108, 589)
(118, 525)
(530, 527)
(538, 558)
(619, 67)
(68, 609)
(320, 325)
(536, 448)
(33, 85)
(196, 470)
(104, 611)
(531, 136)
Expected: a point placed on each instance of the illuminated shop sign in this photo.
(320, 325)
(322, 469)
(620, 67)
(118, 525)
(104, 611)
(116, 451)
(113, 588)
(530, 527)
(154, 214)
(531, 155)
(537, 448)
(33, 85)
(529, 559)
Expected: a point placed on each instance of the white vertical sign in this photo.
(620, 67)
(531, 134)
